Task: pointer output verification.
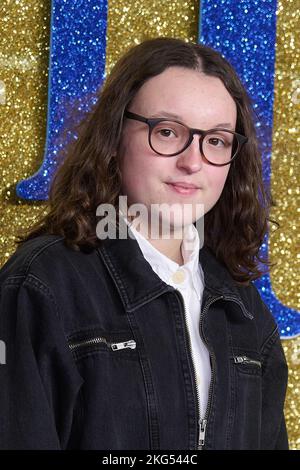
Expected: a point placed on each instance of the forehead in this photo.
(192, 95)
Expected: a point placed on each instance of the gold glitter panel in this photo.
(284, 243)
(132, 22)
(292, 408)
(24, 51)
(285, 157)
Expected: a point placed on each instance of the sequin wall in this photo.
(284, 244)
(24, 58)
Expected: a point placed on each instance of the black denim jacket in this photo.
(98, 355)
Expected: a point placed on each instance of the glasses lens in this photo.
(220, 146)
(168, 137)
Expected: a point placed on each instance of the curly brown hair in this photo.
(88, 172)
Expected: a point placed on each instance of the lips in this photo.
(183, 188)
(184, 185)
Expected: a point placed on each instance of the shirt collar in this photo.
(165, 267)
(138, 284)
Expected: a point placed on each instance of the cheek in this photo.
(136, 168)
(217, 179)
(219, 176)
(139, 161)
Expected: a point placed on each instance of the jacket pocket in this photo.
(246, 368)
(112, 410)
(117, 343)
(247, 364)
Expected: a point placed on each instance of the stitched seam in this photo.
(270, 339)
(30, 280)
(122, 289)
(108, 263)
(81, 355)
(150, 392)
(266, 354)
(187, 368)
(233, 397)
(36, 252)
(131, 319)
(34, 282)
(95, 329)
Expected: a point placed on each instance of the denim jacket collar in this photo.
(138, 284)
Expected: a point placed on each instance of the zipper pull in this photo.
(239, 359)
(126, 344)
(202, 429)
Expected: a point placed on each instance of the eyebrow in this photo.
(179, 118)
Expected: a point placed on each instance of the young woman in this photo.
(148, 341)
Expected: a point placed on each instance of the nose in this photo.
(191, 159)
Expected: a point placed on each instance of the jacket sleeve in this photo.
(274, 385)
(282, 442)
(39, 379)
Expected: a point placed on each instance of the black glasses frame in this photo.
(241, 139)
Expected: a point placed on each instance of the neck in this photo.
(170, 247)
(171, 250)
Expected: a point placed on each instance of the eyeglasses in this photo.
(168, 138)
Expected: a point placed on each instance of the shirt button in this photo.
(178, 276)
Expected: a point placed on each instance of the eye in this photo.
(165, 132)
(216, 141)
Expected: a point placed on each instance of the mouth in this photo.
(183, 188)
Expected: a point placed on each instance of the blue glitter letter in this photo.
(245, 33)
(76, 70)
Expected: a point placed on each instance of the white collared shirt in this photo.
(189, 280)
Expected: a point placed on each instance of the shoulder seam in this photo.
(31, 257)
(35, 253)
(269, 340)
(32, 281)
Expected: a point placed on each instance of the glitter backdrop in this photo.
(76, 70)
(23, 72)
(24, 77)
(284, 244)
(245, 33)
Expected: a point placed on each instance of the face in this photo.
(199, 101)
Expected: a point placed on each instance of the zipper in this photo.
(191, 352)
(202, 422)
(245, 360)
(114, 346)
(245, 312)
